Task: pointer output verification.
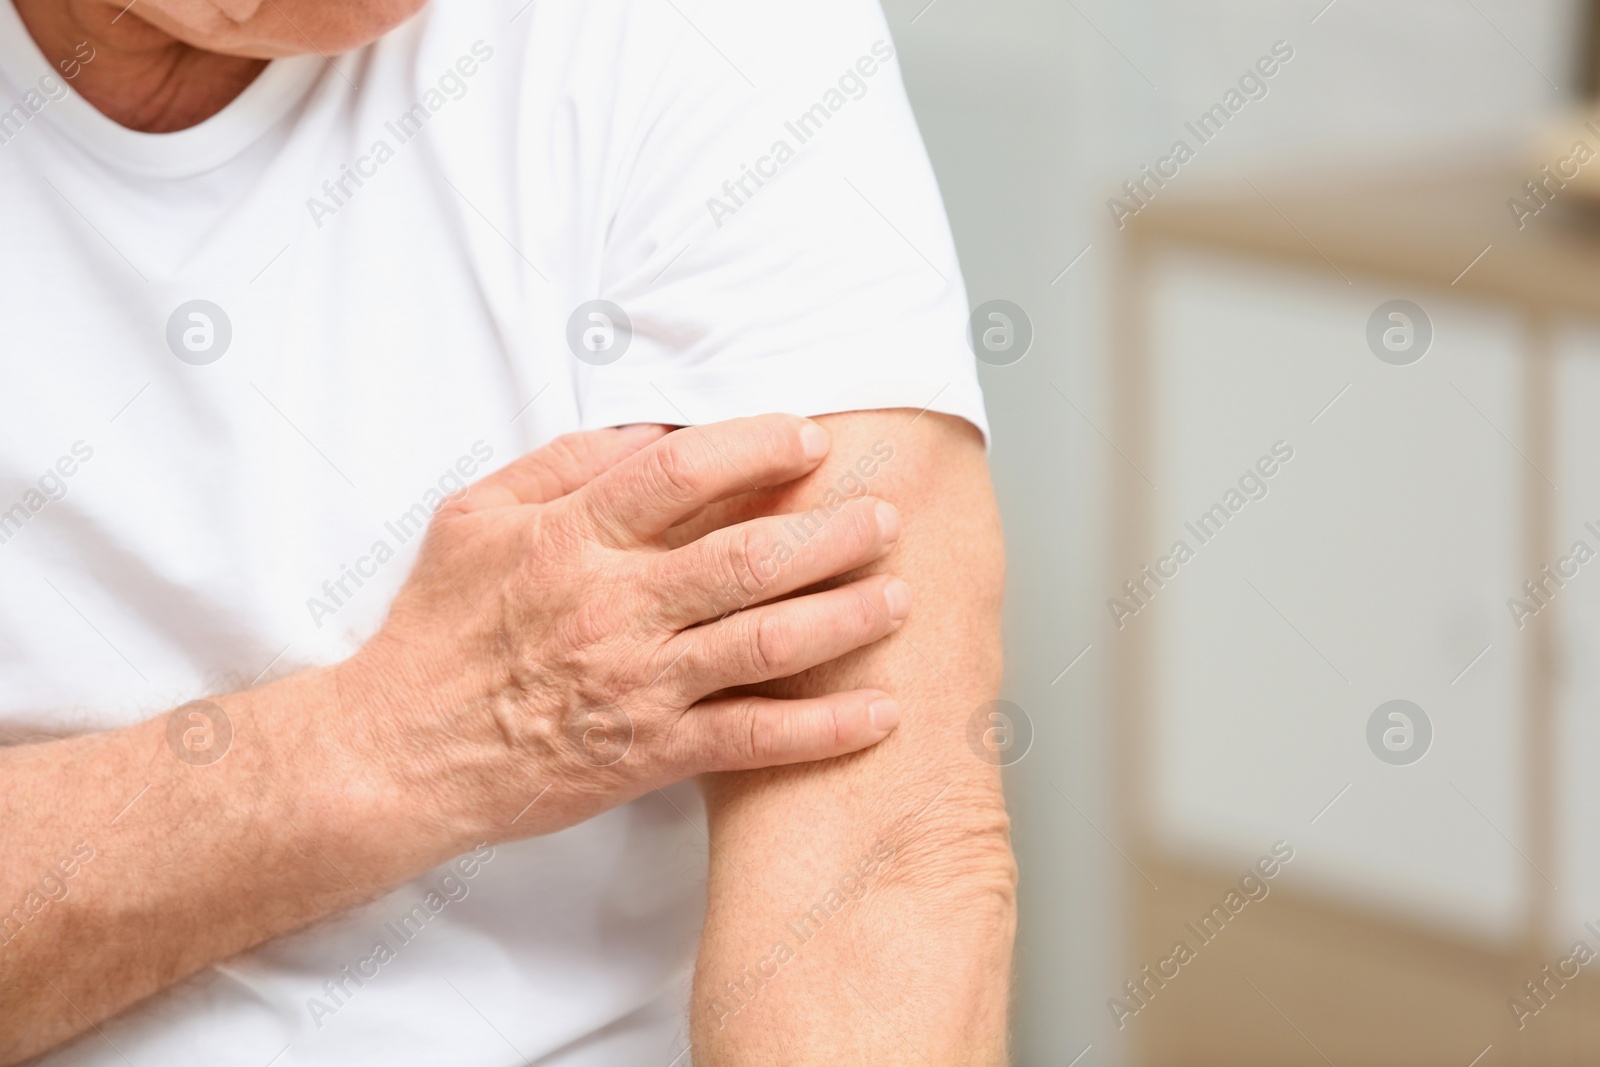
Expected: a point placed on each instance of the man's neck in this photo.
(140, 77)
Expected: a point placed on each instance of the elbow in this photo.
(960, 860)
(953, 876)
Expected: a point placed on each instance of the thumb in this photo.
(561, 466)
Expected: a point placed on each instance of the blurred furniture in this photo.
(1352, 985)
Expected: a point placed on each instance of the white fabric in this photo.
(178, 521)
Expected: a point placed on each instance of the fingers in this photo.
(755, 561)
(744, 733)
(561, 466)
(698, 465)
(777, 640)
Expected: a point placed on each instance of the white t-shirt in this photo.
(389, 251)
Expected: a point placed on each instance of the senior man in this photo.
(290, 781)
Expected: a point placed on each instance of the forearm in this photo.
(125, 866)
(881, 937)
(487, 708)
(863, 909)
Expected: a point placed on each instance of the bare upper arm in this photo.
(933, 469)
(785, 836)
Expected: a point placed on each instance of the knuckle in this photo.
(837, 726)
(673, 668)
(451, 508)
(585, 519)
(783, 439)
(741, 561)
(867, 614)
(767, 645)
(675, 471)
(743, 564)
(443, 534)
(565, 453)
(567, 446)
(862, 528)
(759, 739)
(685, 752)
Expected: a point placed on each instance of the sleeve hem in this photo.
(698, 398)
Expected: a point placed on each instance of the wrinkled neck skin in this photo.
(132, 71)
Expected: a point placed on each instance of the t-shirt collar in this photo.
(284, 83)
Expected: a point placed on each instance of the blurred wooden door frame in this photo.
(1589, 65)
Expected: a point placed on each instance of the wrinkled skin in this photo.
(550, 644)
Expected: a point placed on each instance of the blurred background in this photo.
(1344, 348)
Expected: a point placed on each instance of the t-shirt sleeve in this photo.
(778, 242)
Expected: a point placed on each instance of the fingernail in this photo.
(888, 517)
(897, 596)
(814, 439)
(885, 713)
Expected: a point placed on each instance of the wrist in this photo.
(408, 751)
(336, 769)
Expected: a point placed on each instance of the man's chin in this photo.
(279, 28)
